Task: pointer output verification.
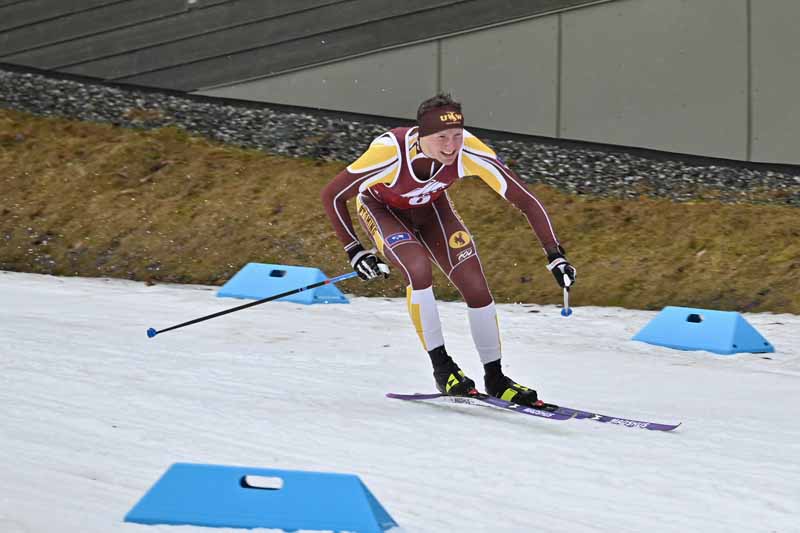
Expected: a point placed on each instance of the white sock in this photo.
(485, 332)
(425, 316)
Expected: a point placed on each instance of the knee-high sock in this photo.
(425, 316)
(485, 332)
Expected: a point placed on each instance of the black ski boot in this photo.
(450, 379)
(501, 386)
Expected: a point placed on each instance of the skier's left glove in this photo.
(366, 264)
(560, 268)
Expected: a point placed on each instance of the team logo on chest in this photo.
(459, 239)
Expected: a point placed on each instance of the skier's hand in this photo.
(560, 268)
(366, 264)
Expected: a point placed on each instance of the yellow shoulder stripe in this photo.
(476, 145)
(381, 152)
(387, 176)
(474, 166)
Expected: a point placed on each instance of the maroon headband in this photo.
(440, 118)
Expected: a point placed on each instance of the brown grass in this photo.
(87, 199)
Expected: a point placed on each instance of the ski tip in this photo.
(151, 332)
(652, 426)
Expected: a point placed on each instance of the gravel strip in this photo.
(574, 169)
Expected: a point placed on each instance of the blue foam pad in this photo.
(230, 496)
(260, 280)
(720, 332)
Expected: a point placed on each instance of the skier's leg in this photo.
(395, 238)
(451, 244)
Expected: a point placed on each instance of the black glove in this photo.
(561, 269)
(366, 264)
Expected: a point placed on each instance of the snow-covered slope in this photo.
(92, 412)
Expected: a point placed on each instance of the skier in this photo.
(400, 187)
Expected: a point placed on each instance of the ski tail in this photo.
(484, 400)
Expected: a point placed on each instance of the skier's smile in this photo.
(444, 145)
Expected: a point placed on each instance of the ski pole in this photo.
(566, 311)
(152, 332)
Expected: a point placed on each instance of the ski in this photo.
(626, 422)
(484, 400)
(562, 413)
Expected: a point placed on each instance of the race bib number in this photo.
(419, 200)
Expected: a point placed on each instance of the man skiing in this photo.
(400, 187)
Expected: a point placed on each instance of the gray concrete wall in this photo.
(191, 45)
(115, 44)
(775, 31)
(392, 83)
(717, 78)
(663, 74)
(507, 77)
(513, 66)
(708, 77)
(93, 17)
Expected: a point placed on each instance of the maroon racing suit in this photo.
(402, 202)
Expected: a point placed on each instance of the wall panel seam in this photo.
(749, 59)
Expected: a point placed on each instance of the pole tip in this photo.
(151, 332)
(566, 312)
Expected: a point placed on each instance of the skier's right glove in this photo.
(366, 264)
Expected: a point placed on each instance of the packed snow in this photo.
(92, 412)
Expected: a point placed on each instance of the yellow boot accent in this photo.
(452, 381)
(509, 395)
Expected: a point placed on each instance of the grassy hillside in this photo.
(87, 199)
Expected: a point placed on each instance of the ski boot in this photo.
(453, 382)
(450, 379)
(503, 387)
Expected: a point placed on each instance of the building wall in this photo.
(507, 77)
(709, 77)
(392, 83)
(664, 74)
(775, 70)
(187, 45)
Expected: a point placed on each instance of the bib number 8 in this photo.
(419, 200)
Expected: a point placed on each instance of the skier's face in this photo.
(444, 145)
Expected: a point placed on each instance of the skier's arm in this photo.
(381, 156)
(480, 160)
(379, 160)
(334, 196)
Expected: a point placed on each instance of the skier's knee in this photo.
(419, 271)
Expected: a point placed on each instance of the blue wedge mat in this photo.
(259, 280)
(242, 497)
(687, 328)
